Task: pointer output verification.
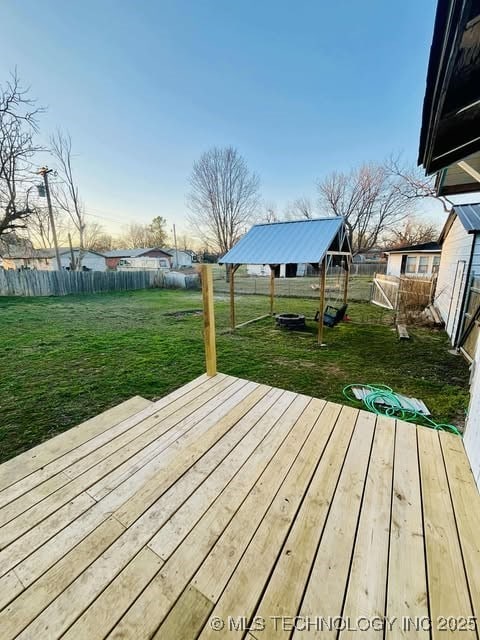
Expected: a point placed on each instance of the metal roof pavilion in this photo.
(298, 241)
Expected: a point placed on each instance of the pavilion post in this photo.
(347, 278)
(209, 320)
(272, 288)
(233, 268)
(321, 301)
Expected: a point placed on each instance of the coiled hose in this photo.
(392, 407)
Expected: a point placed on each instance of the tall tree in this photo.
(18, 125)
(223, 198)
(157, 232)
(413, 185)
(411, 232)
(66, 193)
(39, 228)
(368, 198)
(300, 208)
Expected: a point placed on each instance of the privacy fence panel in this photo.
(61, 283)
(471, 321)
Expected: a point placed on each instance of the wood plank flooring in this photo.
(231, 509)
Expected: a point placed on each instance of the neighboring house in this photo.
(372, 255)
(45, 259)
(284, 270)
(460, 240)
(112, 258)
(419, 260)
(180, 259)
(450, 147)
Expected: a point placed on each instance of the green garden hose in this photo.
(383, 401)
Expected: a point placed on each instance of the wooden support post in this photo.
(272, 288)
(233, 268)
(209, 320)
(347, 278)
(321, 305)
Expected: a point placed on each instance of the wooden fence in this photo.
(404, 294)
(62, 283)
(471, 320)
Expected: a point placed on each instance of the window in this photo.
(411, 264)
(436, 264)
(423, 264)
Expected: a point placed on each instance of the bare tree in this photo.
(66, 193)
(18, 124)
(136, 236)
(39, 228)
(223, 198)
(269, 212)
(368, 198)
(96, 238)
(412, 183)
(412, 232)
(300, 208)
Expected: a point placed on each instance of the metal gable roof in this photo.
(297, 241)
(469, 215)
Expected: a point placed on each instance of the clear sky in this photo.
(301, 88)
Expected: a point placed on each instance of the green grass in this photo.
(64, 360)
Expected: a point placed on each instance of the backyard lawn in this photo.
(64, 360)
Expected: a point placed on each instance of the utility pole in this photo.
(44, 171)
(176, 249)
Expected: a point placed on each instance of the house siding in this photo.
(394, 264)
(472, 429)
(451, 283)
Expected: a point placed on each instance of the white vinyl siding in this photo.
(452, 276)
(472, 429)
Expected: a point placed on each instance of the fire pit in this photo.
(290, 320)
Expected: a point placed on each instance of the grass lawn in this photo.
(64, 360)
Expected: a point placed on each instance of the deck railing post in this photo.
(209, 320)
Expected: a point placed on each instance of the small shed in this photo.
(321, 242)
(419, 259)
(459, 269)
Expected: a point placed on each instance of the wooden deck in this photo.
(233, 504)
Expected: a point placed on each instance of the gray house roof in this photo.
(298, 241)
(133, 253)
(427, 247)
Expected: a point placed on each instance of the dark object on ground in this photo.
(290, 320)
(182, 314)
(332, 315)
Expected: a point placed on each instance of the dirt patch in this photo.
(183, 314)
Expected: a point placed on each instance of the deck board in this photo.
(230, 498)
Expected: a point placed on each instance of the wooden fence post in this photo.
(209, 320)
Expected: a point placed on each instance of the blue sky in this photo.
(300, 88)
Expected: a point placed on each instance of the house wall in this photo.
(450, 291)
(112, 263)
(91, 261)
(394, 264)
(183, 259)
(472, 429)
